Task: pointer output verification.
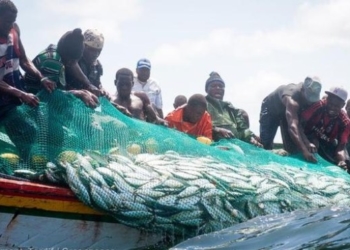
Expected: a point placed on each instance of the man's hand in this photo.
(310, 157)
(90, 99)
(87, 97)
(343, 165)
(312, 148)
(104, 93)
(48, 84)
(29, 99)
(122, 109)
(224, 132)
(96, 91)
(255, 142)
(161, 121)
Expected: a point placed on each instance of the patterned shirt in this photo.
(50, 64)
(329, 130)
(202, 128)
(9, 67)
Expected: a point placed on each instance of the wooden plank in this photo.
(35, 189)
(36, 232)
(53, 205)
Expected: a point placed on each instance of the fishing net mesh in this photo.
(183, 185)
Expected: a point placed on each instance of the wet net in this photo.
(155, 178)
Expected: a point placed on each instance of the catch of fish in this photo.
(188, 195)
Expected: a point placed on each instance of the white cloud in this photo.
(328, 19)
(256, 88)
(104, 15)
(315, 27)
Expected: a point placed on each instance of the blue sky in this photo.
(255, 45)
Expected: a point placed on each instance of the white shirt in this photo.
(152, 89)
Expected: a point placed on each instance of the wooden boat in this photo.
(39, 216)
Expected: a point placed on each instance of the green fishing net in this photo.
(152, 177)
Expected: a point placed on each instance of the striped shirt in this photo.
(9, 66)
(330, 130)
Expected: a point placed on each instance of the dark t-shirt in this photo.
(274, 100)
(92, 72)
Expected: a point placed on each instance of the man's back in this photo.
(275, 99)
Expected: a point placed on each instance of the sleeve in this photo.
(159, 100)
(244, 133)
(345, 135)
(170, 121)
(55, 71)
(99, 68)
(207, 126)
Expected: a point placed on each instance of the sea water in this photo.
(326, 228)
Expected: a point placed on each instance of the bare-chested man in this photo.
(137, 103)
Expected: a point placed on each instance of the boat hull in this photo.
(39, 216)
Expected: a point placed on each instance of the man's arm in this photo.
(75, 70)
(160, 112)
(294, 130)
(26, 98)
(30, 68)
(148, 110)
(341, 156)
(88, 98)
(159, 103)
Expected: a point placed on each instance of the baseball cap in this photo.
(339, 92)
(94, 38)
(312, 87)
(143, 63)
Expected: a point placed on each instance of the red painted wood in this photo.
(35, 190)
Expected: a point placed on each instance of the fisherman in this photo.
(144, 83)
(282, 108)
(89, 63)
(347, 108)
(192, 118)
(228, 121)
(12, 94)
(55, 60)
(179, 101)
(327, 127)
(12, 55)
(136, 103)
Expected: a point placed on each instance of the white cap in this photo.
(312, 87)
(94, 38)
(339, 92)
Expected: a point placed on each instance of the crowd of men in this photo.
(308, 124)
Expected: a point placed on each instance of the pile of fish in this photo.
(187, 195)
